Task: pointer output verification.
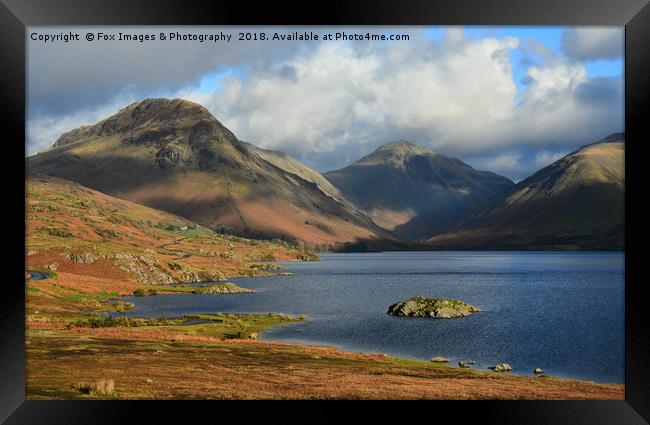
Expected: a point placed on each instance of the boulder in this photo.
(53, 267)
(502, 367)
(538, 370)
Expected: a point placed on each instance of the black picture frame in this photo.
(15, 15)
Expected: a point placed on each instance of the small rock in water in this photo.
(538, 370)
(463, 365)
(471, 362)
(440, 359)
(503, 367)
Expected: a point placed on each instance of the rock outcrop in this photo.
(223, 288)
(437, 308)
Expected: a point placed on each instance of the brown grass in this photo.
(254, 370)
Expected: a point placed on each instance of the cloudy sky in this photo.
(506, 99)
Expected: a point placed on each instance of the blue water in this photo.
(561, 311)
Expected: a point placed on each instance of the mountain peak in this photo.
(396, 153)
(157, 106)
(614, 137)
(146, 113)
(403, 146)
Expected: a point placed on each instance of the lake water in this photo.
(561, 311)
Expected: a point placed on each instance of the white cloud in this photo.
(342, 94)
(590, 43)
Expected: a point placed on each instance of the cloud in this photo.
(329, 103)
(507, 163)
(600, 90)
(65, 77)
(592, 43)
(544, 158)
(42, 131)
(340, 94)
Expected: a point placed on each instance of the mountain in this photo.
(576, 202)
(414, 191)
(173, 155)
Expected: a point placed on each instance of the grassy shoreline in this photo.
(238, 369)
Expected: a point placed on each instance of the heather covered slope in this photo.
(173, 155)
(93, 241)
(575, 203)
(415, 191)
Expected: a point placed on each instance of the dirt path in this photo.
(171, 252)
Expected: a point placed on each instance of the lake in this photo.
(561, 311)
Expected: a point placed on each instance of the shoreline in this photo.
(453, 360)
(307, 343)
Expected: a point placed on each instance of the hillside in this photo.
(291, 165)
(173, 155)
(575, 203)
(414, 191)
(94, 242)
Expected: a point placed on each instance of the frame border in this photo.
(633, 14)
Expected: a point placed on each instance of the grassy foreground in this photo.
(95, 249)
(155, 367)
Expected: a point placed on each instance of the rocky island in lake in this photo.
(438, 308)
